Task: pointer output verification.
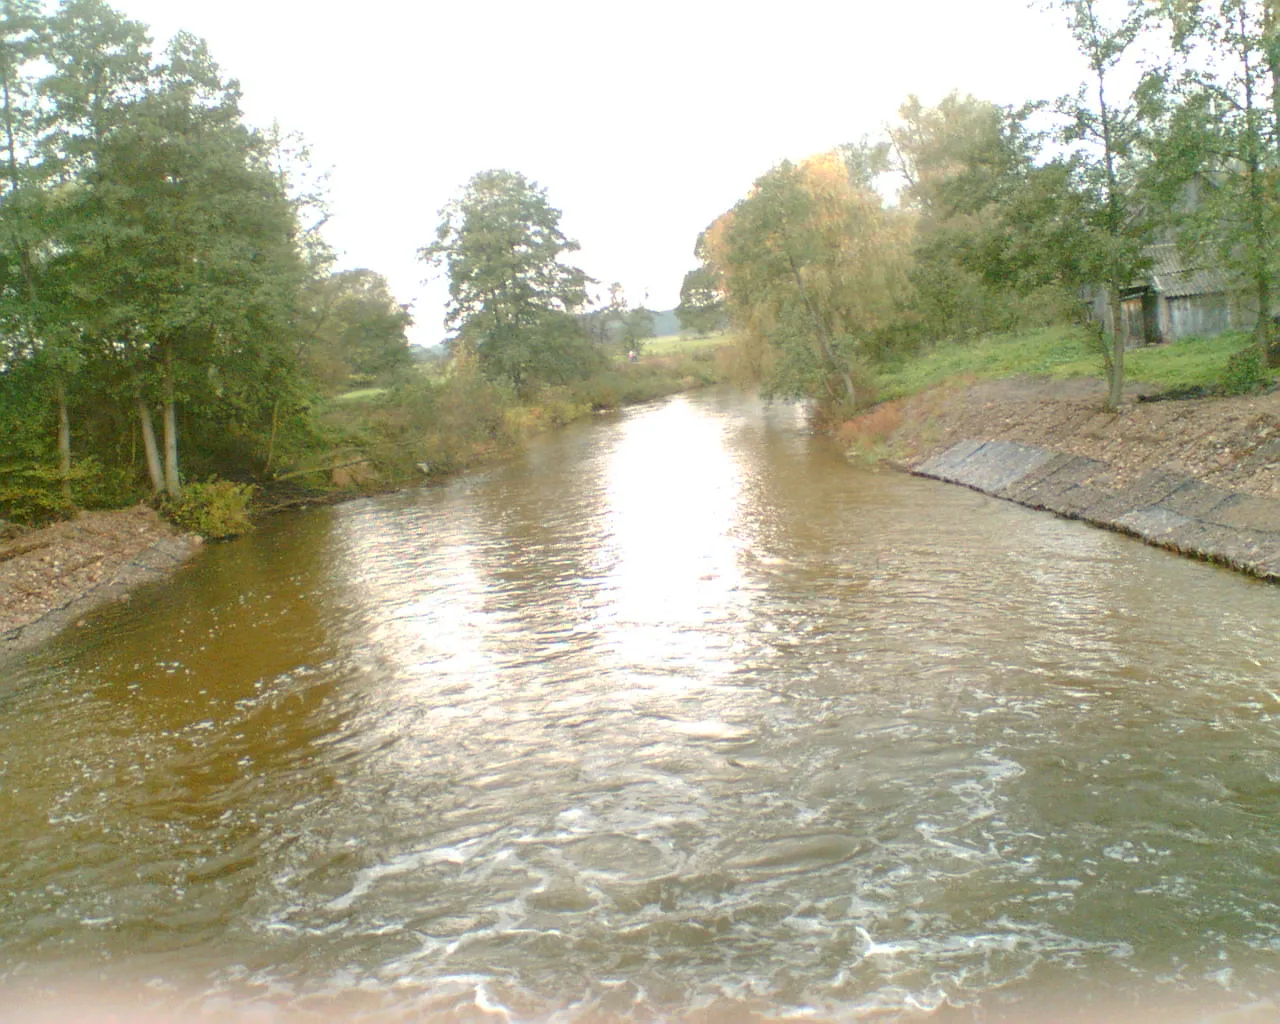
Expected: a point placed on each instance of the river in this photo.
(676, 714)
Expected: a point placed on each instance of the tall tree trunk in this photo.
(824, 342)
(64, 439)
(271, 441)
(1115, 229)
(172, 482)
(1115, 374)
(149, 447)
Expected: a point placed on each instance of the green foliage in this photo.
(95, 484)
(1217, 148)
(32, 495)
(216, 509)
(354, 327)
(1246, 372)
(994, 234)
(701, 306)
(510, 296)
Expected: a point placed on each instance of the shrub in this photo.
(95, 485)
(1246, 372)
(32, 495)
(216, 509)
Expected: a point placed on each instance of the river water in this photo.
(676, 714)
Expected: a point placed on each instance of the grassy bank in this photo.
(1064, 352)
(684, 345)
(436, 421)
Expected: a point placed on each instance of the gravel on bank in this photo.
(50, 578)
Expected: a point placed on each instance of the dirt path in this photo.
(50, 578)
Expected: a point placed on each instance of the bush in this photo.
(95, 485)
(32, 495)
(1246, 372)
(33, 507)
(216, 509)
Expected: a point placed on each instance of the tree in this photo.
(701, 306)
(1218, 161)
(992, 222)
(814, 267)
(510, 296)
(637, 325)
(180, 254)
(151, 256)
(23, 43)
(1108, 135)
(604, 322)
(959, 161)
(354, 326)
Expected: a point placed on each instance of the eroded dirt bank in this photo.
(50, 578)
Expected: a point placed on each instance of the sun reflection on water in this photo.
(671, 551)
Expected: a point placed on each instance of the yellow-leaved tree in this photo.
(814, 269)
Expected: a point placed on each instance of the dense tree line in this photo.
(167, 308)
(1005, 217)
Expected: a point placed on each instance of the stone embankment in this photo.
(51, 578)
(1161, 507)
(1201, 477)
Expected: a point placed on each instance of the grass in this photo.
(1195, 362)
(1062, 352)
(1051, 351)
(681, 344)
(360, 395)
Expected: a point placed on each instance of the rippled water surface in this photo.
(675, 715)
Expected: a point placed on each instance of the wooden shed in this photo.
(1178, 298)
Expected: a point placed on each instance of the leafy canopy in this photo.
(511, 299)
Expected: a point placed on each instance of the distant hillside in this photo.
(665, 322)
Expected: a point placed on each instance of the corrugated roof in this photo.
(1174, 276)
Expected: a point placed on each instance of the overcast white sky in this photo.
(643, 120)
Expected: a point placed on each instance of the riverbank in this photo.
(1045, 443)
(1200, 477)
(51, 578)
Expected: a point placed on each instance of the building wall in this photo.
(1191, 315)
(1188, 316)
(1173, 319)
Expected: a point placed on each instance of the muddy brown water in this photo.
(675, 715)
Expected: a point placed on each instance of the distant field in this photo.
(1062, 352)
(360, 395)
(679, 344)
